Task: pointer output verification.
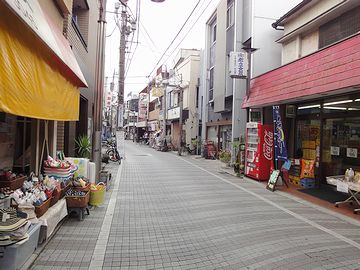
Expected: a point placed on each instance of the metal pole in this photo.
(165, 110)
(99, 84)
(180, 120)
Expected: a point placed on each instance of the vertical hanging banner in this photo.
(279, 137)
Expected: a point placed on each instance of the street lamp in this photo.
(158, 1)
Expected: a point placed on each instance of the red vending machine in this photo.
(259, 150)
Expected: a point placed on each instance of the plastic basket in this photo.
(307, 183)
(97, 196)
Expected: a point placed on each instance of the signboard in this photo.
(238, 65)
(273, 180)
(341, 186)
(173, 113)
(157, 91)
(279, 137)
(335, 150)
(351, 152)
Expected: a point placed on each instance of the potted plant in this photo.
(83, 145)
(225, 156)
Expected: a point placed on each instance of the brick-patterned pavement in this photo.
(170, 212)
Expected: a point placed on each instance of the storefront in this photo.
(319, 102)
(327, 131)
(219, 133)
(39, 85)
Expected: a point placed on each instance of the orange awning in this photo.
(37, 80)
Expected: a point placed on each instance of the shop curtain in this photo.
(31, 83)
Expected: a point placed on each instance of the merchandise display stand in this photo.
(353, 189)
(351, 200)
(80, 211)
(51, 219)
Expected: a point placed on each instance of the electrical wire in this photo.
(177, 34)
(192, 26)
(116, 22)
(137, 41)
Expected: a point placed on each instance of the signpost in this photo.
(273, 180)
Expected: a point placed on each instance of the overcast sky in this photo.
(161, 21)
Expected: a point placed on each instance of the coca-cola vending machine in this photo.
(259, 150)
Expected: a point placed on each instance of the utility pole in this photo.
(111, 105)
(180, 119)
(99, 84)
(164, 112)
(122, 59)
(165, 82)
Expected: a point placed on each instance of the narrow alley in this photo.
(170, 212)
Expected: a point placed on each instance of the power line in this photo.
(175, 37)
(137, 41)
(192, 26)
(116, 22)
(147, 34)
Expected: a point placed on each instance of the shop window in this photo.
(346, 25)
(255, 115)
(341, 145)
(307, 144)
(22, 151)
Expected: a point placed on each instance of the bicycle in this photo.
(112, 151)
(189, 150)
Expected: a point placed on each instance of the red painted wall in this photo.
(330, 69)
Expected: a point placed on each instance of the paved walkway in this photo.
(170, 212)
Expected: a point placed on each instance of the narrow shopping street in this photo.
(170, 212)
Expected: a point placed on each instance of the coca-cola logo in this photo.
(268, 145)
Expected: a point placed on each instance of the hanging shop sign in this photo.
(238, 65)
(157, 91)
(279, 137)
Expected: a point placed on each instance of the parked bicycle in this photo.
(189, 150)
(112, 152)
